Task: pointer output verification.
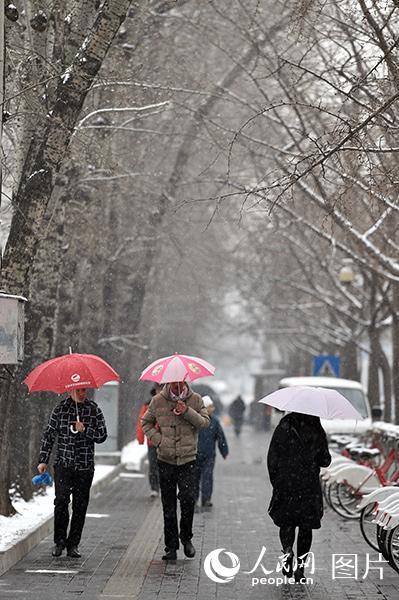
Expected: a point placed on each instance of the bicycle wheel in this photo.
(332, 498)
(393, 548)
(326, 492)
(369, 529)
(324, 489)
(382, 535)
(348, 501)
(334, 502)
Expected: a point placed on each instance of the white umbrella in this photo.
(320, 402)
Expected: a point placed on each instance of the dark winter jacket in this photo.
(208, 437)
(237, 409)
(297, 451)
(175, 436)
(73, 449)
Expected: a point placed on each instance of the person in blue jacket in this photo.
(206, 454)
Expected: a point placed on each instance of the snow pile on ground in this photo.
(133, 456)
(33, 513)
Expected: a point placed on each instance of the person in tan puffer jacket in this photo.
(171, 423)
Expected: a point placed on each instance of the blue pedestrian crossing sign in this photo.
(326, 365)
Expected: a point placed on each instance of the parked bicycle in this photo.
(362, 483)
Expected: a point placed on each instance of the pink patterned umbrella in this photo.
(177, 367)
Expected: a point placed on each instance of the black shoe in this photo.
(170, 554)
(73, 552)
(299, 574)
(189, 549)
(207, 504)
(57, 550)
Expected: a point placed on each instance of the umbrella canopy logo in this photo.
(216, 571)
(194, 368)
(75, 377)
(157, 370)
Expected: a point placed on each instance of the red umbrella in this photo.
(68, 372)
(64, 373)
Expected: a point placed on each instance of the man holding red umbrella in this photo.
(77, 423)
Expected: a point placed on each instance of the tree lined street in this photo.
(213, 178)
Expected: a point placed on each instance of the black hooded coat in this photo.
(297, 451)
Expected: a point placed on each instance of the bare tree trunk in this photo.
(349, 360)
(38, 180)
(387, 383)
(45, 157)
(373, 384)
(68, 319)
(395, 351)
(373, 381)
(38, 347)
(2, 48)
(6, 507)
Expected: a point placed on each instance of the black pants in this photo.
(237, 425)
(153, 476)
(304, 541)
(183, 477)
(205, 466)
(78, 483)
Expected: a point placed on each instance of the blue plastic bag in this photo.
(42, 479)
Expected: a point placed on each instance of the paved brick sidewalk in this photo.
(122, 552)
(105, 540)
(239, 523)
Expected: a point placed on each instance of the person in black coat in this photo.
(297, 450)
(236, 412)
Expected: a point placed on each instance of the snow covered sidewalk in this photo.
(34, 513)
(34, 519)
(120, 515)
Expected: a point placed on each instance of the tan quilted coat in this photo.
(175, 437)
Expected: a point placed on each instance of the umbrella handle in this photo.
(75, 431)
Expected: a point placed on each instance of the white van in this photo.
(352, 390)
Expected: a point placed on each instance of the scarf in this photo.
(182, 396)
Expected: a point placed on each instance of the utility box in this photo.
(107, 398)
(12, 316)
